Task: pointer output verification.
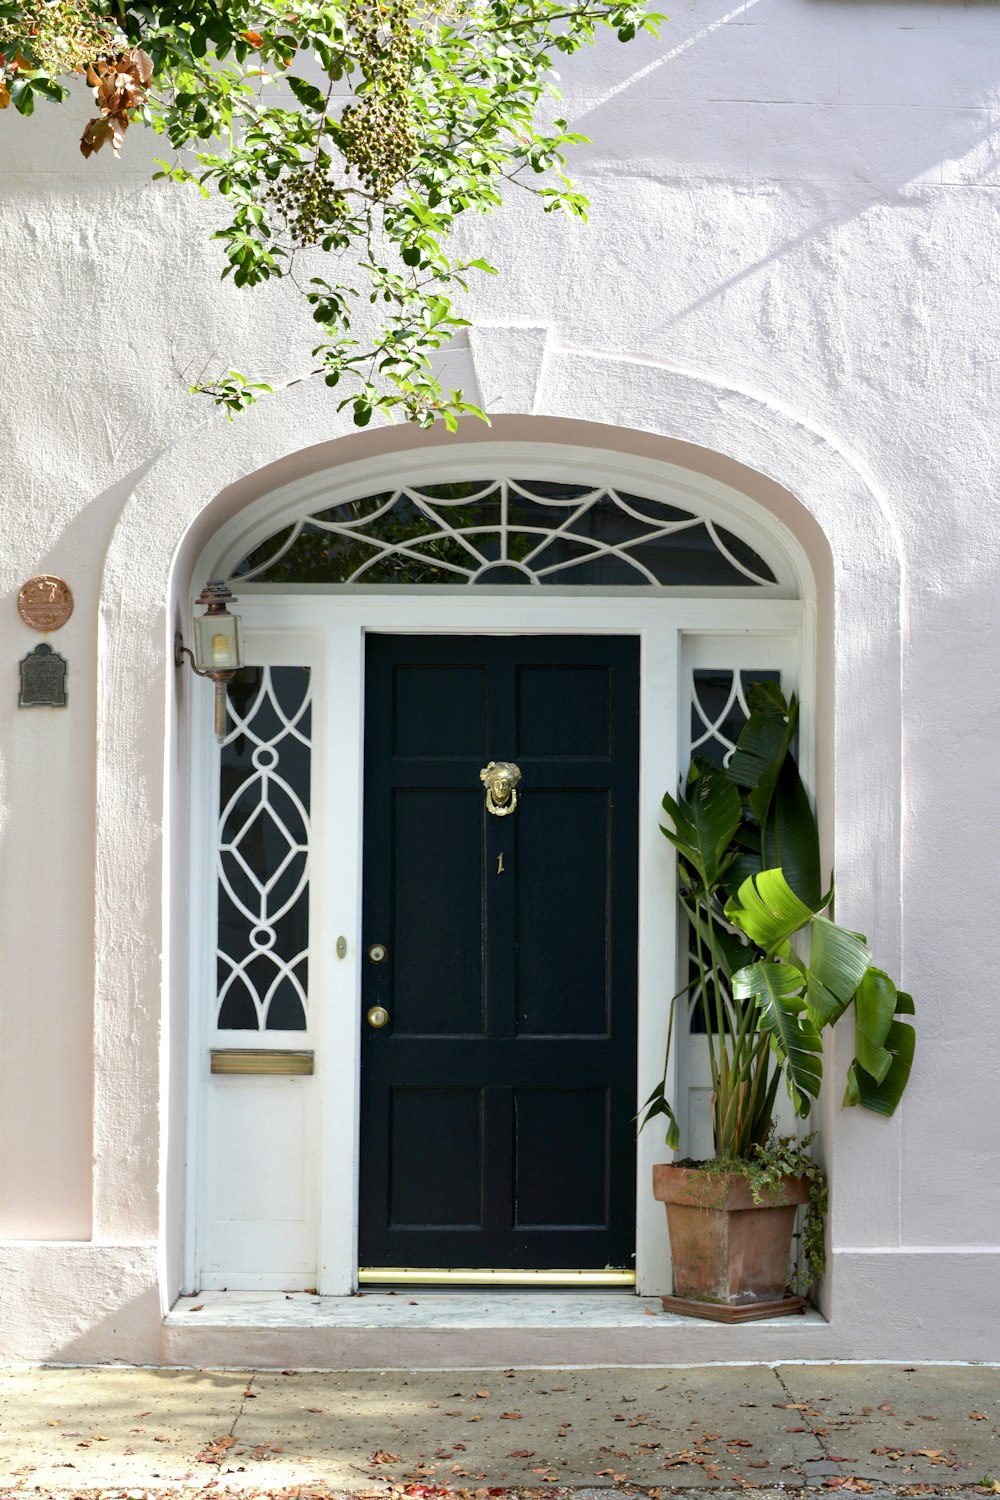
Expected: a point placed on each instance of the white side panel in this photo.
(261, 1229)
(255, 1139)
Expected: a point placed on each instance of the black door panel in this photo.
(497, 1103)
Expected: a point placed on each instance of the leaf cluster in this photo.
(361, 129)
(772, 970)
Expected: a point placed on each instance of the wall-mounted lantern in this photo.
(218, 645)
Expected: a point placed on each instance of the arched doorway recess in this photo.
(794, 467)
(491, 545)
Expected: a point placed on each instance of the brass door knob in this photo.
(378, 1017)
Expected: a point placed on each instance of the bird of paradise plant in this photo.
(748, 860)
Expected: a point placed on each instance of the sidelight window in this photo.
(263, 852)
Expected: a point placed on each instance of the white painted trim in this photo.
(658, 770)
(339, 1039)
(593, 466)
(274, 623)
(283, 643)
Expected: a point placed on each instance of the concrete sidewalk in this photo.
(869, 1427)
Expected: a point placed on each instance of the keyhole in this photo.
(499, 864)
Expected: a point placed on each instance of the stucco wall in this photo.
(791, 261)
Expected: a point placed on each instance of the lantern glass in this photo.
(218, 644)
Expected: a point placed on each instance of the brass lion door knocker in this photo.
(500, 779)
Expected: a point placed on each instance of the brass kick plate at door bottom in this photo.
(406, 1276)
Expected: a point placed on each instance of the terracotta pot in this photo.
(730, 1254)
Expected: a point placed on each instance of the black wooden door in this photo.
(498, 1100)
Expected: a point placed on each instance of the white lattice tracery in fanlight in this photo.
(263, 852)
(507, 531)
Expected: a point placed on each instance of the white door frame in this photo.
(328, 630)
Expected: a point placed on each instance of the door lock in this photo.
(378, 1017)
(378, 953)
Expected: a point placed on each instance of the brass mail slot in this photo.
(259, 1061)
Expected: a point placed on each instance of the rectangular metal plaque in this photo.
(277, 1061)
(43, 679)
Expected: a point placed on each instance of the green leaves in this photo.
(883, 1097)
(768, 910)
(657, 1105)
(26, 87)
(766, 1004)
(764, 742)
(308, 95)
(880, 1071)
(22, 95)
(775, 989)
(235, 393)
(779, 826)
(838, 964)
(446, 104)
(704, 824)
(874, 1008)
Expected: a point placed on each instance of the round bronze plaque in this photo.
(45, 603)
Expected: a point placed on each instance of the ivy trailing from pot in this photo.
(750, 884)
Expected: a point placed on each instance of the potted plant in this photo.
(772, 973)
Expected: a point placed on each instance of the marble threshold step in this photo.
(422, 1328)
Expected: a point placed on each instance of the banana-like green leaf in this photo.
(791, 837)
(874, 1008)
(883, 1097)
(657, 1104)
(764, 980)
(748, 862)
(760, 753)
(704, 824)
(822, 1008)
(838, 962)
(766, 695)
(730, 950)
(767, 909)
(682, 835)
(904, 1004)
(795, 1040)
(779, 825)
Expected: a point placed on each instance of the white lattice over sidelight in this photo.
(263, 852)
(719, 709)
(507, 531)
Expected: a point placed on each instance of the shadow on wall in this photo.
(46, 803)
(876, 100)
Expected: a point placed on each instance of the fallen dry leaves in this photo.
(934, 1456)
(215, 1451)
